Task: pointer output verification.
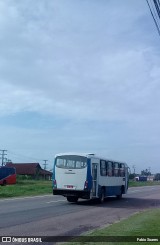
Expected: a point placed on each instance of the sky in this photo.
(79, 76)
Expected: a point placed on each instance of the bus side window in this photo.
(109, 169)
(103, 168)
(116, 169)
(122, 172)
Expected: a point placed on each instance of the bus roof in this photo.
(75, 154)
(88, 155)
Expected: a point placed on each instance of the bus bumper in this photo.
(85, 194)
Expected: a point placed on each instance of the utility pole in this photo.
(3, 154)
(149, 170)
(45, 164)
(134, 168)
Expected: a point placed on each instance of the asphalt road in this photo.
(52, 215)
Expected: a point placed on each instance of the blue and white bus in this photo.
(88, 176)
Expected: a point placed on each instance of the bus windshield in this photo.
(71, 162)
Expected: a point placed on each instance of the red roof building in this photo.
(30, 169)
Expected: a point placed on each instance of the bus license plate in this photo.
(69, 187)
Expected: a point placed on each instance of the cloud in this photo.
(86, 63)
(115, 87)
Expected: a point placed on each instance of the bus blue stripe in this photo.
(89, 176)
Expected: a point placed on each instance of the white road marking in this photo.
(21, 198)
(57, 201)
(134, 191)
(49, 195)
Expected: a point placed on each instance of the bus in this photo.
(7, 175)
(88, 176)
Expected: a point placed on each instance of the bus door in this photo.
(94, 179)
(126, 179)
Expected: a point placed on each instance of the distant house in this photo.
(33, 170)
(144, 178)
(151, 178)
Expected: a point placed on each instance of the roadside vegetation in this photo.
(143, 183)
(26, 187)
(144, 224)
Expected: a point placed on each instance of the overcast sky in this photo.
(80, 75)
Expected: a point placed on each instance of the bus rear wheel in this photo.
(120, 195)
(72, 199)
(102, 196)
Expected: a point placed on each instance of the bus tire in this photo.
(120, 195)
(72, 199)
(102, 196)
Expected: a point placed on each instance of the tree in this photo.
(132, 176)
(145, 172)
(157, 176)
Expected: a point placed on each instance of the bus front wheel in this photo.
(72, 199)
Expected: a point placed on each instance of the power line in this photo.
(153, 7)
(153, 13)
(157, 7)
(22, 156)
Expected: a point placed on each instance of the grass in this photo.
(29, 187)
(143, 183)
(139, 225)
(26, 188)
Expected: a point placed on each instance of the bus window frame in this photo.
(66, 160)
(122, 170)
(103, 170)
(116, 169)
(109, 170)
